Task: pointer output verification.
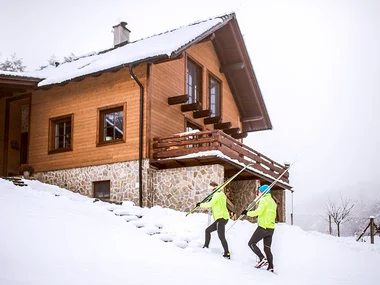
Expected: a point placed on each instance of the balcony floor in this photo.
(231, 167)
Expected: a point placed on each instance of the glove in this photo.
(198, 204)
(244, 213)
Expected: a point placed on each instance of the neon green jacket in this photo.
(265, 212)
(218, 205)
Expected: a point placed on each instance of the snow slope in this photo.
(53, 236)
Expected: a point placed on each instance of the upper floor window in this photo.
(214, 96)
(193, 82)
(111, 124)
(60, 135)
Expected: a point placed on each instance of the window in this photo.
(61, 134)
(193, 82)
(214, 96)
(192, 127)
(111, 124)
(102, 189)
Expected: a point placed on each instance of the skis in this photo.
(209, 196)
(257, 199)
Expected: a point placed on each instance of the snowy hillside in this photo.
(52, 236)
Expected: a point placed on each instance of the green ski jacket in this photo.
(218, 204)
(265, 212)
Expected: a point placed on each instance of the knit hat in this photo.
(263, 188)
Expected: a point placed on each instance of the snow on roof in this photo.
(27, 74)
(154, 46)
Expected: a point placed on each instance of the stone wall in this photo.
(177, 188)
(279, 196)
(123, 178)
(242, 193)
(181, 188)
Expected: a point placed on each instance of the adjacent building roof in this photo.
(227, 40)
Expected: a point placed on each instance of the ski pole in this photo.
(257, 199)
(209, 196)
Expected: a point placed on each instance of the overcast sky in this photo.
(317, 63)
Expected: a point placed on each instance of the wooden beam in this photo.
(5, 94)
(240, 135)
(232, 67)
(78, 79)
(178, 99)
(12, 89)
(209, 38)
(222, 126)
(19, 81)
(251, 119)
(191, 107)
(231, 131)
(213, 120)
(201, 114)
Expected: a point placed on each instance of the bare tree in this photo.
(339, 212)
(71, 57)
(13, 64)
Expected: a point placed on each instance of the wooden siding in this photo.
(83, 99)
(2, 132)
(14, 135)
(168, 80)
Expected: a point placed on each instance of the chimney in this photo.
(120, 34)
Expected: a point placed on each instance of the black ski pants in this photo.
(219, 225)
(259, 234)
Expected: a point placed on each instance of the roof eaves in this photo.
(226, 18)
(124, 65)
(259, 95)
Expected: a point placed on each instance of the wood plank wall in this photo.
(2, 132)
(168, 79)
(83, 100)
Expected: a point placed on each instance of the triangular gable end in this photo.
(237, 67)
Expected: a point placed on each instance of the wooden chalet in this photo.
(153, 121)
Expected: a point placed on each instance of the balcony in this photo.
(216, 147)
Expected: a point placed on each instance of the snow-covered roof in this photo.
(27, 74)
(161, 45)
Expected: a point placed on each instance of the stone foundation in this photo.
(181, 188)
(241, 194)
(177, 188)
(123, 178)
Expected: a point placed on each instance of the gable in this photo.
(237, 67)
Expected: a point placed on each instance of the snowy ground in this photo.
(52, 236)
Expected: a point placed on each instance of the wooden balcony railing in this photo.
(191, 143)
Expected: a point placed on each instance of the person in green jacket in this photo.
(218, 205)
(266, 215)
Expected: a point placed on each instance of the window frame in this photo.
(94, 183)
(52, 134)
(219, 107)
(198, 67)
(198, 126)
(100, 127)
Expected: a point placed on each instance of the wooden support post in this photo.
(372, 229)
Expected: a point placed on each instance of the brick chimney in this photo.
(120, 34)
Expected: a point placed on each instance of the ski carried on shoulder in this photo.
(209, 196)
(257, 199)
